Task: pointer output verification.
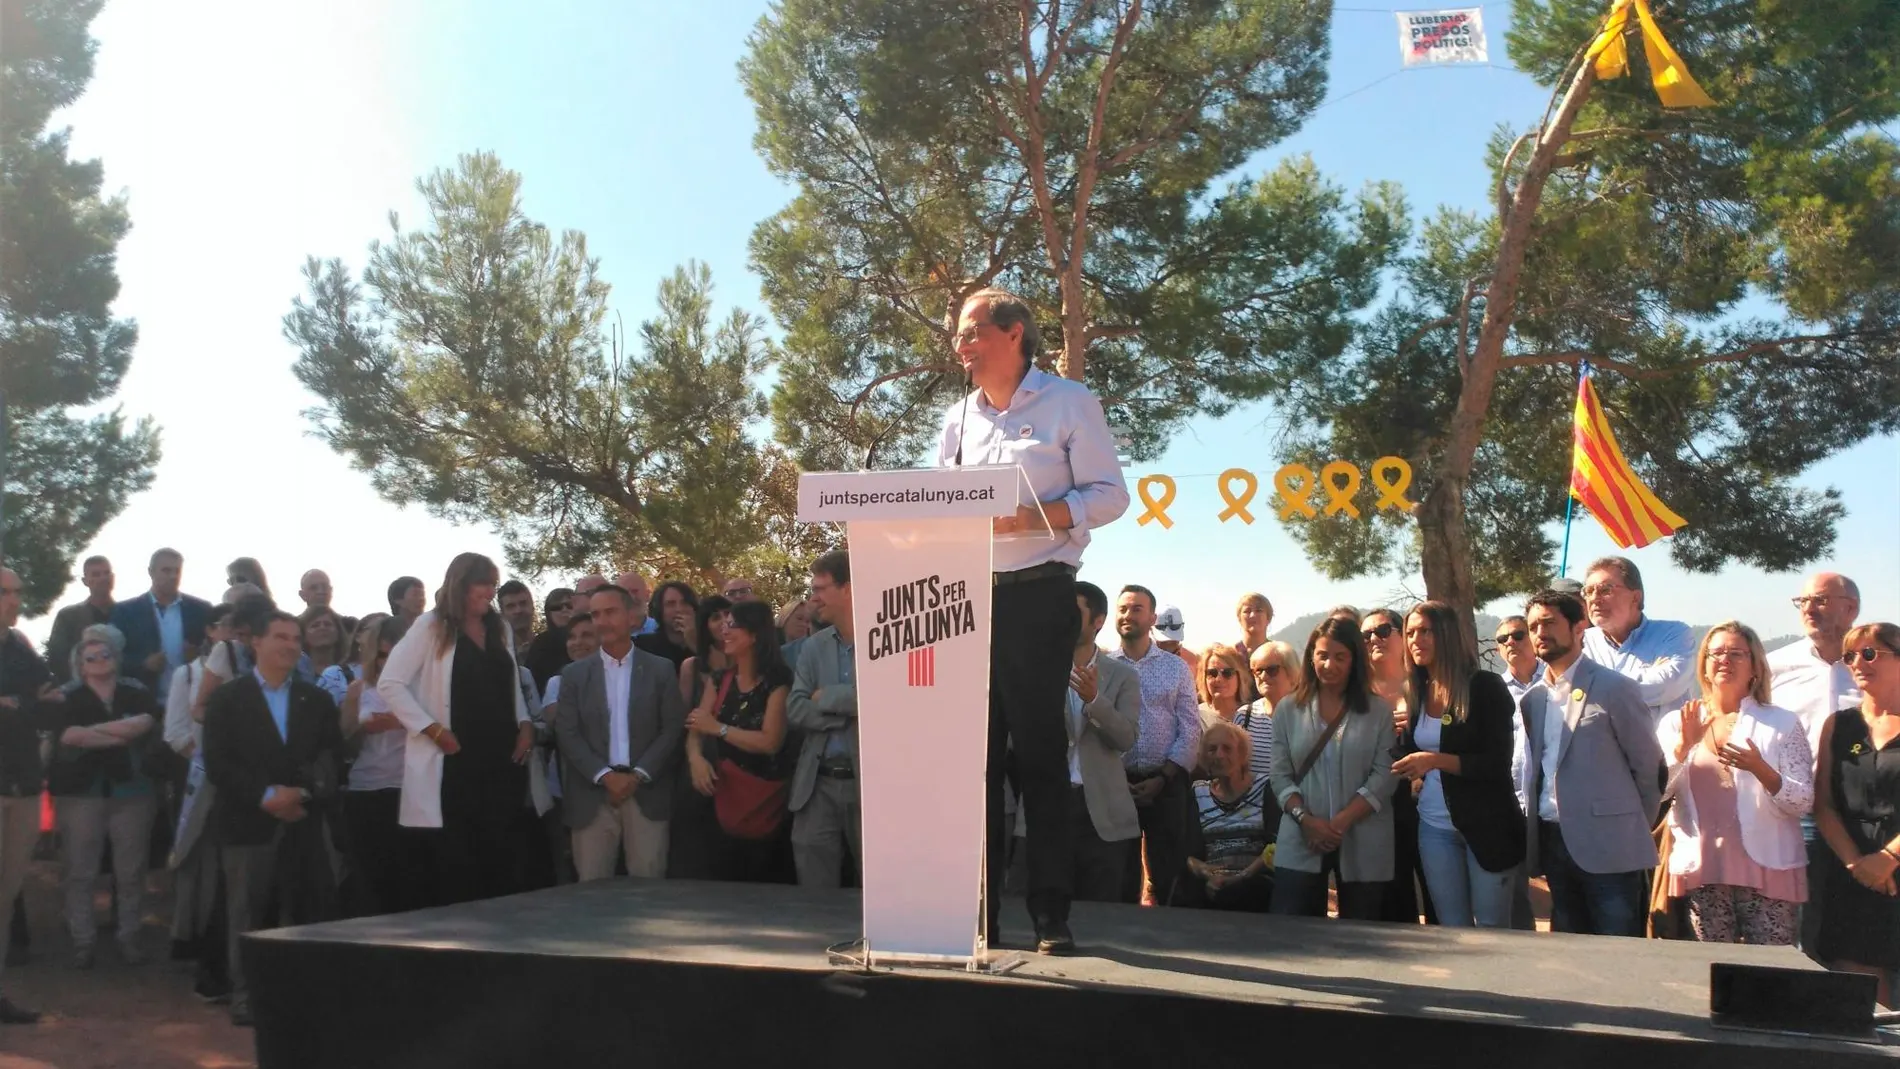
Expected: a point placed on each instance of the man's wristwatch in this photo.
(1298, 813)
(723, 728)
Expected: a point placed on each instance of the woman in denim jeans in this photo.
(1457, 745)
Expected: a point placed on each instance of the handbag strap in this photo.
(1312, 755)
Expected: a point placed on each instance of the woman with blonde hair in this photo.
(1858, 813)
(1255, 614)
(1741, 774)
(1228, 695)
(1457, 746)
(453, 683)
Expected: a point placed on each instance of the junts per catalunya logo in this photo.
(913, 617)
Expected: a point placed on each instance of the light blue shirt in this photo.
(1170, 727)
(649, 627)
(279, 702)
(1658, 656)
(1431, 796)
(1556, 701)
(171, 637)
(1054, 429)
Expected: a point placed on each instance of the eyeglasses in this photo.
(1221, 673)
(1601, 590)
(1267, 671)
(1380, 631)
(101, 655)
(1513, 636)
(1865, 653)
(969, 333)
(739, 592)
(1731, 655)
(1806, 601)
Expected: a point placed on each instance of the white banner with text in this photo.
(1454, 36)
(920, 599)
(912, 493)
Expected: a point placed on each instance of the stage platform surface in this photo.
(702, 975)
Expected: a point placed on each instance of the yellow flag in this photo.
(1667, 72)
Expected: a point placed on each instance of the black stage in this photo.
(679, 974)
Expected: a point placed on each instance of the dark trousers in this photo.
(1590, 903)
(1408, 896)
(1099, 864)
(1303, 894)
(1820, 858)
(384, 875)
(1164, 842)
(1032, 641)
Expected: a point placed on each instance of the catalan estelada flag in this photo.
(1603, 482)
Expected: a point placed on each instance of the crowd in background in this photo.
(471, 744)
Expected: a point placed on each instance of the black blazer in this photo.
(243, 753)
(137, 620)
(1481, 798)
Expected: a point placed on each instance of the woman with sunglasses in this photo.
(101, 793)
(1227, 695)
(1857, 810)
(1387, 670)
(1741, 774)
(1457, 746)
(547, 653)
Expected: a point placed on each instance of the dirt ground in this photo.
(113, 1015)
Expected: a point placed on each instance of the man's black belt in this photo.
(838, 771)
(1041, 571)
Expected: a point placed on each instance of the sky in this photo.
(251, 136)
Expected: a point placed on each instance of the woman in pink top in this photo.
(1742, 775)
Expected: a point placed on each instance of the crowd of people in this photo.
(312, 766)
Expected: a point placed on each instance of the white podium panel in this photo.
(920, 599)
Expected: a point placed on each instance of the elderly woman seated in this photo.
(1231, 862)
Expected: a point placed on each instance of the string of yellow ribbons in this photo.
(1667, 72)
(1295, 483)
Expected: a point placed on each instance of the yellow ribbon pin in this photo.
(1445, 720)
(1296, 483)
(1576, 695)
(1392, 476)
(1157, 509)
(1339, 495)
(1674, 87)
(1237, 504)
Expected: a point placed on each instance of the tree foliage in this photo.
(477, 376)
(67, 472)
(1732, 274)
(1068, 150)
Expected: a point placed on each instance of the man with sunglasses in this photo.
(1812, 680)
(1054, 429)
(1656, 655)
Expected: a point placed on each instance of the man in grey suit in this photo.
(618, 723)
(1594, 774)
(824, 705)
(1103, 713)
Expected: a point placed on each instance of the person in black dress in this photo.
(1857, 810)
(693, 840)
(742, 716)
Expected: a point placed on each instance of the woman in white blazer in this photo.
(1742, 776)
(453, 683)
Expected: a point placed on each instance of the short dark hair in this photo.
(94, 559)
(835, 566)
(512, 587)
(276, 616)
(252, 613)
(626, 596)
(398, 588)
(216, 614)
(1626, 570)
(1562, 602)
(1136, 588)
(1093, 596)
(579, 618)
(167, 553)
(1007, 310)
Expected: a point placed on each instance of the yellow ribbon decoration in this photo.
(1296, 483)
(1392, 490)
(1237, 506)
(1674, 86)
(1339, 495)
(1157, 510)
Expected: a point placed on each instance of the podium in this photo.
(920, 544)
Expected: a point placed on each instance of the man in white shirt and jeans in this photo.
(1055, 430)
(1810, 681)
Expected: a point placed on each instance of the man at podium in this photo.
(1054, 429)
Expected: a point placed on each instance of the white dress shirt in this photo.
(1809, 687)
(1556, 706)
(1054, 429)
(617, 675)
(1520, 739)
(1078, 722)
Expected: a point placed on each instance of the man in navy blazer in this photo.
(163, 628)
(1594, 779)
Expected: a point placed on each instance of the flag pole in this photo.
(1570, 496)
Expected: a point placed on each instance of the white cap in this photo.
(1169, 624)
